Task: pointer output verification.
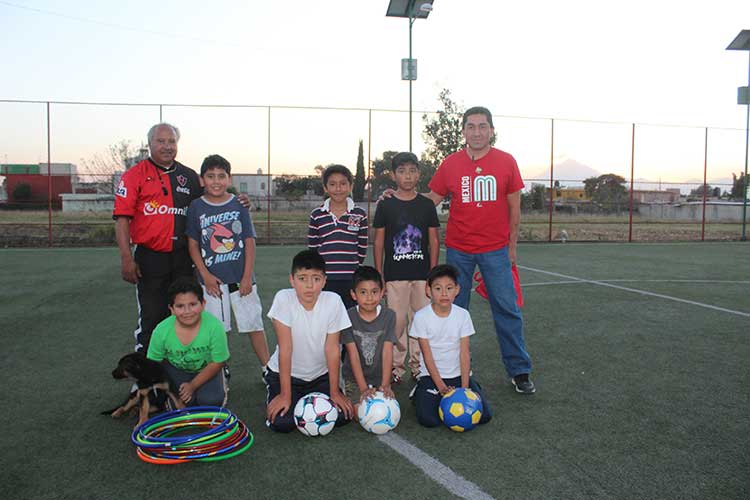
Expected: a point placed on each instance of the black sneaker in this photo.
(523, 385)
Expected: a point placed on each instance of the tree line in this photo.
(442, 135)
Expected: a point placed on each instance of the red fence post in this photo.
(632, 176)
(369, 164)
(49, 182)
(705, 187)
(551, 174)
(268, 194)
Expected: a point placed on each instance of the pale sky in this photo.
(649, 62)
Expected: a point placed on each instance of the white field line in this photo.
(720, 282)
(642, 292)
(435, 470)
(548, 283)
(740, 282)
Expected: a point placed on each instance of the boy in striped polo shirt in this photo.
(338, 231)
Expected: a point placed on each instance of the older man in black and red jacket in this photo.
(150, 211)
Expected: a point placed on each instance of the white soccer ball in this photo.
(315, 415)
(379, 414)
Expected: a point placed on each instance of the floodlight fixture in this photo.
(742, 42)
(412, 10)
(409, 8)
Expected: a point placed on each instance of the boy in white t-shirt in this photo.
(443, 330)
(308, 322)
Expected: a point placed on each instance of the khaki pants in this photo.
(405, 298)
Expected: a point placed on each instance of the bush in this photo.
(22, 192)
(102, 234)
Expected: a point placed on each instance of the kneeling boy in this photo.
(192, 345)
(443, 330)
(369, 341)
(308, 322)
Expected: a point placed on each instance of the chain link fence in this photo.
(585, 181)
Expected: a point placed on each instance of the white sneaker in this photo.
(413, 391)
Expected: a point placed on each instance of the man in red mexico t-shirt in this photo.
(150, 211)
(485, 185)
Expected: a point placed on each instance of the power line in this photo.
(118, 26)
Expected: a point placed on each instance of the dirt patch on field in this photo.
(19, 234)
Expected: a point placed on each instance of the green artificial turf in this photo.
(638, 396)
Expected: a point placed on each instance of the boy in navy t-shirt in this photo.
(221, 241)
(406, 248)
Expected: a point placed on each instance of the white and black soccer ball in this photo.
(315, 414)
(379, 414)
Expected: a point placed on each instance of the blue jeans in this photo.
(212, 393)
(495, 268)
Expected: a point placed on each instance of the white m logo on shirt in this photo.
(485, 188)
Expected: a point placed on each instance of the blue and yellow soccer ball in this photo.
(460, 409)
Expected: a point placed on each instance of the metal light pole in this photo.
(413, 10)
(742, 42)
(411, 73)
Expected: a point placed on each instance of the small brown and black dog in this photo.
(153, 386)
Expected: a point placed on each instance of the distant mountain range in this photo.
(567, 171)
(722, 183)
(685, 187)
(571, 173)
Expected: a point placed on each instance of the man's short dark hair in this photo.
(308, 259)
(477, 110)
(215, 161)
(442, 271)
(366, 273)
(403, 158)
(184, 284)
(337, 169)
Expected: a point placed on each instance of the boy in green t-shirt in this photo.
(192, 345)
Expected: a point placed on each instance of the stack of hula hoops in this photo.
(199, 433)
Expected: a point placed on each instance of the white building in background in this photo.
(254, 185)
(692, 211)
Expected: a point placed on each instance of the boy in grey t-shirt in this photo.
(369, 341)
